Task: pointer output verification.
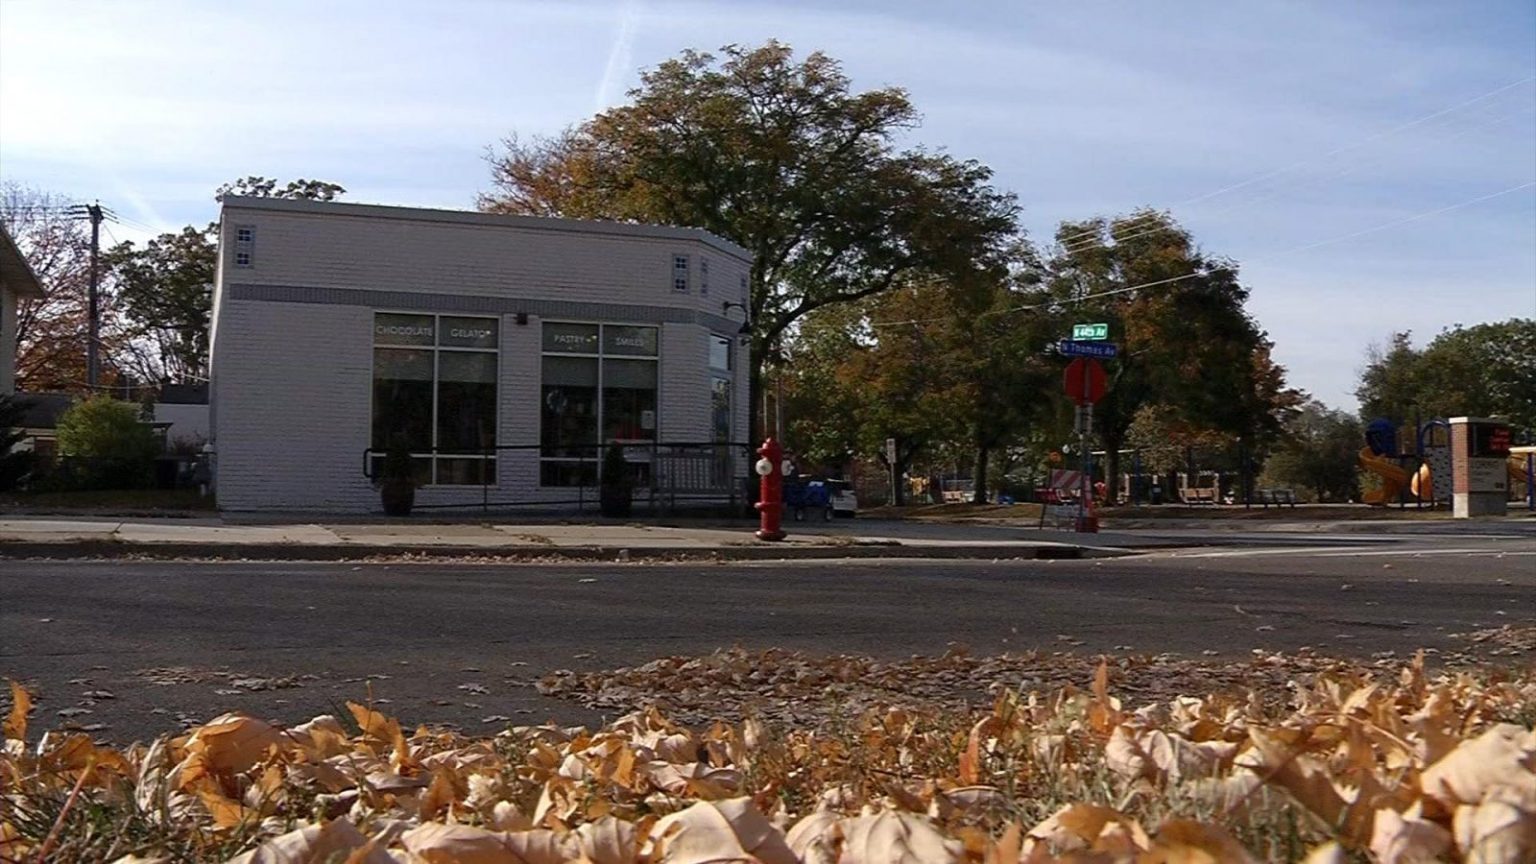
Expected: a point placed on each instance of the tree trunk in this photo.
(753, 434)
(979, 493)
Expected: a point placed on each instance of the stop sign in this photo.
(1084, 381)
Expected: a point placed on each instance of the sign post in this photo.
(1084, 348)
(1090, 332)
(1085, 383)
(890, 461)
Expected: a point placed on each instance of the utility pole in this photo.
(97, 214)
(93, 347)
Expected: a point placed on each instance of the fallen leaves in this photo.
(1386, 760)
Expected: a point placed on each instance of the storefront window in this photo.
(434, 386)
(599, 386)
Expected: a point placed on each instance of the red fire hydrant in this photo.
(770, 496)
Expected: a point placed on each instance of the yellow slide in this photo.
(1393, 478)
(1423, 485)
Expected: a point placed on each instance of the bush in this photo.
(104, 445)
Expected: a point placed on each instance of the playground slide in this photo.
(1393, 478)
(1422, 486)
(1516, 467)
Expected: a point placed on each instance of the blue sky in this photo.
(1282, 133)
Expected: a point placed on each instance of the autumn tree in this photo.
(1486, 370)
(52, 332)
(854, 385)
(166, 286)
(780, 156)
(1186, 340)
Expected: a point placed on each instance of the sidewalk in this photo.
(213, 538)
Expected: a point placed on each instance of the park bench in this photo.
(1277, 497)
(1199, 496)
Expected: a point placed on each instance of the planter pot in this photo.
(398, 498)
(614, 502)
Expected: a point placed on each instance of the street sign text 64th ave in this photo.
(1090, 332)
(1076, 348)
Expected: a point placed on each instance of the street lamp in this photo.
(746, 325)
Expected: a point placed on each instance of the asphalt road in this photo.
(426, 640)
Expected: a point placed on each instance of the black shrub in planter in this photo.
(397, 481)
(615, 494)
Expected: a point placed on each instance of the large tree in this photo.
(1319, 452)
(166, 286)
(1186, 340)
(780, 156)
(52, 332)
(1484, 370)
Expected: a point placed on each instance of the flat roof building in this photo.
(507, 351)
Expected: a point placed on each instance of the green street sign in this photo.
(1090, 332)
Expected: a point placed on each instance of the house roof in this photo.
(469, 217)
(42, 410)
(15, 273)
(184, 394)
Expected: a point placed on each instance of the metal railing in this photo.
(666, 475)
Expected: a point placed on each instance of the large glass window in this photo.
(721, 362)
(599, 387)
(434, 388)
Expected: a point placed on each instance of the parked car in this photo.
(802, 495)
(844, 501)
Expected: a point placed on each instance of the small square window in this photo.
(245, 235)
(242, 259)
(680, 272)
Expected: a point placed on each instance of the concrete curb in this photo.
(94, 549)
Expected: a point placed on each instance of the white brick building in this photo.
(504, 350)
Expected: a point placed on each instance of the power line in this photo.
(1486, 124)
(1328, 242)
(1258, 178)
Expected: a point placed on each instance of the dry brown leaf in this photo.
(1078, 826)
(228, 744)
(718, 831)
(1328, 853)
(317, 844)
(609, 841)
(1505, 755)
(1307, 779)
(542, 846)
(1182, 841)
(21, 705)
(1407, 838)
(436, 843)
(893, 837)
(816, 838)
(1502, 827)
(226, 812)
(1008, 846)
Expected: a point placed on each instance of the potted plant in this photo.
(397, 479)
(615, 492)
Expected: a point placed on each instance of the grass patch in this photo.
(125, 502)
